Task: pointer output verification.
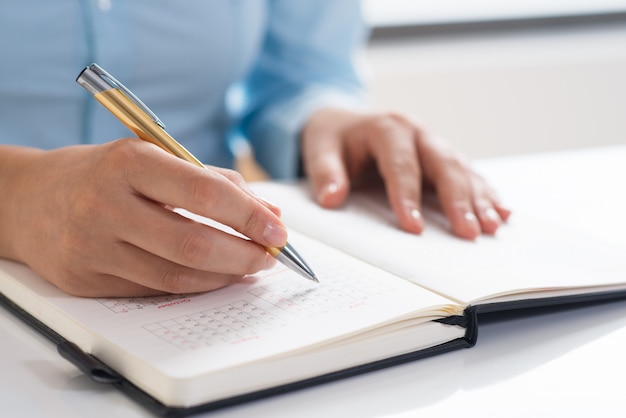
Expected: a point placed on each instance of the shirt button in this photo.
(104, 5)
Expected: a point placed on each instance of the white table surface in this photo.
(567, 363)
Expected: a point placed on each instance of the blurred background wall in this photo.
(498, 78)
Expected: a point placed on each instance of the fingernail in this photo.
(327, 191)
(472, 221)
(415, 216)
(492, 215)
(275, 235)
(489, 220)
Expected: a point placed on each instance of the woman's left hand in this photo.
(341, 147)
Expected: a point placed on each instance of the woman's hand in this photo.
(97, 220)
(340, 147)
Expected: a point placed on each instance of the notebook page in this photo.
(527, 254)
(268, 314)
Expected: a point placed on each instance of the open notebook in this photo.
(385, 297)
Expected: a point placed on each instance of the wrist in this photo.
(15, 175)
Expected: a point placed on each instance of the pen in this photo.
(144, 123)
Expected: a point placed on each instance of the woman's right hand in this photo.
(96, 220)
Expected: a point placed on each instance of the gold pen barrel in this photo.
(131, 111)
(141, 124)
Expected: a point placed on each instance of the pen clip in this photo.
(113, 82)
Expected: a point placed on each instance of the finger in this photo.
(104, 285)
(451, 179)
(489, 211)
(238, 180)
(488, 217)
(394, 149)
(174, 182)
(455, 197)
(325, 168)
(504, 212)
(147, 270)
(186, 242)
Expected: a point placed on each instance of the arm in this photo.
(306, 63)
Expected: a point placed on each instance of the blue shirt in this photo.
(211, 70)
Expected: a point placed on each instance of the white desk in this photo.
(568, 363)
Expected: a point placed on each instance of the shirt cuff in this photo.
(276, 136)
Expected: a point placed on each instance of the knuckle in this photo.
(381, 124)
(121, 151)
(232, 175)
(193, 248)
(457, 163)
(387, 124)
(403, 162)
(452, 166)
(400, 166)
(250, 221)
(174, 279)
(379, 131)
(125, 155)
(201, 190)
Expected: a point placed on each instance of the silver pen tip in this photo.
(290, 257)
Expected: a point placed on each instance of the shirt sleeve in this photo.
(308, 60)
